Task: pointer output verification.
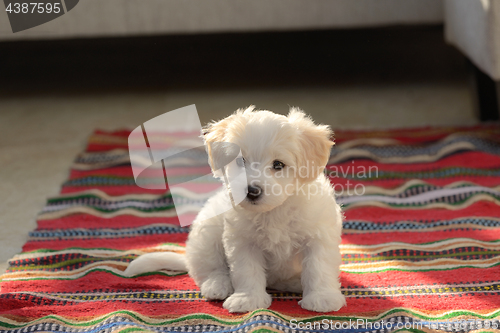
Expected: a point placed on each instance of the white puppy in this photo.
(285, 235)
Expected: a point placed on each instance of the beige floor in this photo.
(40, 136)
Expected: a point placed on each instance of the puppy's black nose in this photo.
(254, 192)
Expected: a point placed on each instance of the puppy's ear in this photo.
(315, 144)
(214, 134)
(217, 136)
(216, 131)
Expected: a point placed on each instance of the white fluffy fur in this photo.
(286, 241)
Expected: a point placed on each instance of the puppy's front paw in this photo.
(323, 301)
(217, 287)
(242, 302)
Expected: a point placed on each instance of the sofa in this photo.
(473, 26)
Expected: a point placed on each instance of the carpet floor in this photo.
(420, 249)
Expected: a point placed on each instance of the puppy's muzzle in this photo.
(254, 192)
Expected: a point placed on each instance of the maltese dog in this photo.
(284, 235)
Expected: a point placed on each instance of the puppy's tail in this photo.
(152, 262)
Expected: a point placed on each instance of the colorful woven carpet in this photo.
(421, 244)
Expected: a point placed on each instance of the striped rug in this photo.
(421, 244)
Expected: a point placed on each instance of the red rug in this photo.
(421, 244)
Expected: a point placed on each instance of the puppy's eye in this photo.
(240, 161)
(278, 165)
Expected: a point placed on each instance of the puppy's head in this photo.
(280, 154)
